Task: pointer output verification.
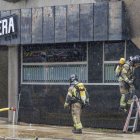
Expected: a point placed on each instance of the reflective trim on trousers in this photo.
(122, 101)
(78, 126)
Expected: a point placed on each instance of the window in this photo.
(56, 53)
(54, 63)
(113, 51)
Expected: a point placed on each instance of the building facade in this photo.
(42, 46)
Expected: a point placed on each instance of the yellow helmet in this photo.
(122, 61)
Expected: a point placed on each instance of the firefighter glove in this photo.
(66, 105)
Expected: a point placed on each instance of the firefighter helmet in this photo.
(135, 60)
(73, 77)
(122, 61)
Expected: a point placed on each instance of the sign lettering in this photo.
(7, 26)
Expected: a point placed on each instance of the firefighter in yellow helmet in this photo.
(122, 61)
(119, 67)
(125, 74)
(75, 104)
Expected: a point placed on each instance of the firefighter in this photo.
(126, 82)
(74, 104)
(119, 67)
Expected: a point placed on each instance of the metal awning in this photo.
(102, 21)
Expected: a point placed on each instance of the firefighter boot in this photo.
(123, 109)
(77, 131)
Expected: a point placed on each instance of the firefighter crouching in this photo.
(76, 100)
(125, 72)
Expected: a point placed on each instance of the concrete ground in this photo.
(45, 132)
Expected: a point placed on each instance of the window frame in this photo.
(52, 63)
(111, 62)
(84, 62)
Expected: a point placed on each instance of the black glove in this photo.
(87, 104)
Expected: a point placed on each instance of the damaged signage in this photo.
(8, 26)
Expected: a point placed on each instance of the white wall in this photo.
(133, 16)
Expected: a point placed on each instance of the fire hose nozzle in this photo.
(13, 108)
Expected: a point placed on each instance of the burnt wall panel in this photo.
(44, 104)
(48, 25)
(131, 49)
(126, 24)
(16, 38)
(115, 21)
(95, 62)
(60, 24)
(3, 80)
(86, 22)
(101, 21)
(26, 27)
(0, 37)
(5, 40)
(72, 23)
(37, 25)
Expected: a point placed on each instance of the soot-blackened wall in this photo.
(44, 105)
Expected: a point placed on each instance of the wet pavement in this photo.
(45, 132)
